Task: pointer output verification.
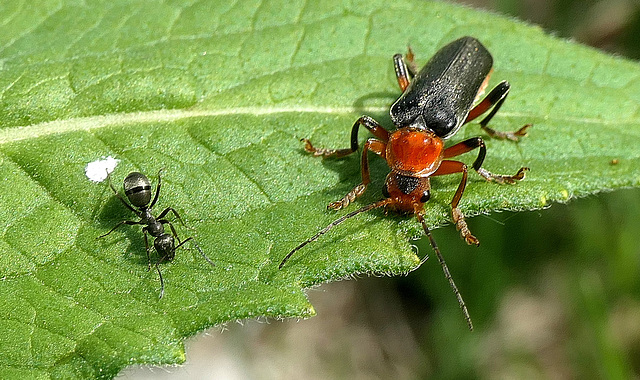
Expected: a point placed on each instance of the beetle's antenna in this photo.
(323, 231)
(445, 269)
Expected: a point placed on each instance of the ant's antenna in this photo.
(163, 259)
(161, 280)
(323, 231)
(445, 269)
(193, 241)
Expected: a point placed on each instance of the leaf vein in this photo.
(250, 179)
(28, 31)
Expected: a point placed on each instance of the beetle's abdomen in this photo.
(414, 153)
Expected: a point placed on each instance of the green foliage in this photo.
(219, 96)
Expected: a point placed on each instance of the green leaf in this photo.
(219, 95)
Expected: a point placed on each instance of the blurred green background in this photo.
(553, 293)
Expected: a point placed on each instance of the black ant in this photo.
(137, 188)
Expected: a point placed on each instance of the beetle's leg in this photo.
(127, 222)
(405, 68)
(376, 146)
(402, 72)
(477, 142)
(411, 64)
(450, 167)
(495, 99)
(368, 122)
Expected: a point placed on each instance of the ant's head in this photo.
(166, 247)
(137, 188)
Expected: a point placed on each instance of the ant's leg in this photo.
(127, 222)
(376, 146)
(120, 197)
(175, 213)
(193, 241)
(155, 197)
(495, 99)
(146, 245)
(405, 68)
(451, 167)
(368, 122)
(173, 230)
(477, 142)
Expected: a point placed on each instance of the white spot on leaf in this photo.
(97, 170)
